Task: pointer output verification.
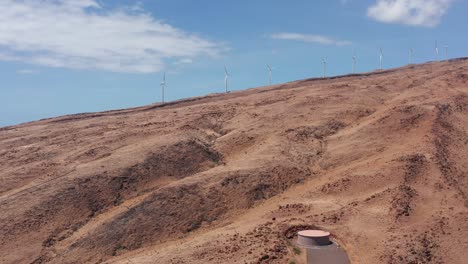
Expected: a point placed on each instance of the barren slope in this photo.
(378, 159)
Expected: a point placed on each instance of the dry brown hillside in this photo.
(378, 159)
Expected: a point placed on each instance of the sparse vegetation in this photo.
(118, 200)
(193, 226)
(296, 250)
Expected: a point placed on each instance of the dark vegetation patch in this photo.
(292, 209)
(420, 249)
(412, 115)
(273, 100)
(213, 120)
(315, 132)
(95, 194)
(263, 244)
(401, 203)
(94, 154)
(415, 165)
(446, 137)
(416, 247)
(178, 160)
(404, 117)
(174, 211)
(290, 232)
(336, 187)
(6, 128)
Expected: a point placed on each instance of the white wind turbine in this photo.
(270, 72)
(411, 53)
(324, 62)
(437, 51)
(446, 51)
(354, 62)
(381, 58)
(226, 78)
(163, 87)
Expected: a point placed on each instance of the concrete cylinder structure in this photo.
(310, 238)
(320, 249)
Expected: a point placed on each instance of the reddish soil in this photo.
(377, 159)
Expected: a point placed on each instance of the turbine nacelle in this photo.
(163, 82)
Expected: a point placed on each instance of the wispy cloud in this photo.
(184, 61)
(426, 13)
(26, 71)
(82, 34)
(309, 38)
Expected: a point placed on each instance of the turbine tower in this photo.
(270, 72)
(437, 51)
(381, 58)
(354, 62)
(163, 87)
(226, 78)
(324, 62)
(411, 53)
(446, 51)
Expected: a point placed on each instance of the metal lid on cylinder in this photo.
(313, 238)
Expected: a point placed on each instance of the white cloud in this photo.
(426, 13)
(82, 34)
(324, 40)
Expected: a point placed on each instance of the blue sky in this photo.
(70, 56)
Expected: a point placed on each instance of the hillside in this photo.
(377, 159)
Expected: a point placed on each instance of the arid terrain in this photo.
(378, 159)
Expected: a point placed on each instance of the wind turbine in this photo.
(437, 51)
(446, 51)
(324, 62)
(163, 87)
(381, 58)
(226, 78)
(411, 52)
(354, 62)
(270, 72)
